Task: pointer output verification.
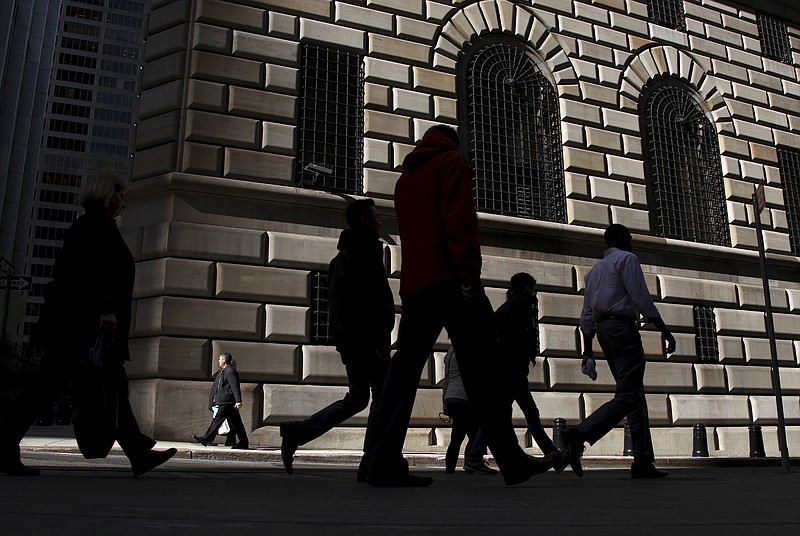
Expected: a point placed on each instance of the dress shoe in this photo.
(560, 461)
(405, 481)
(200, 440)
(17, 468)
(574, 445)
(646, 470)
(150, 460)
(531, 467)
(230, 442)
(480, 467)
(288, 448)
(241, 446)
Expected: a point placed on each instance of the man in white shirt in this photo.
(616, 294)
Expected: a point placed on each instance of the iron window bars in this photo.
(668, 13)
(684, 175)
(705, 333)
(513, 133)
(320, 323)
(789, 165)
(774, 36)
(330, 155)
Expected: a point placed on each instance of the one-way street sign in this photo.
(18, 282)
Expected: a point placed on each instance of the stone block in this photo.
(435, 82)
(168, 15)
(731, 322)
(261, 104)
(445, 109)
(411, 103)
(286, 324)
(677, 317)
(743, 237)
(637, 195)
(497, 271)
(735, 147)
(363, 18)
(207, 96)
(377, 153)
(559, 308)
(635, 220)
(731, 349)
(161, 99)
(790, 379)
(182, 277)
(187, 317)
(258, 166)
(752, 297)
(278, 138)
(711, 410)
(230, 15)
(222, 129)
(572, 135)
(748, 379)
(300, 252)
(386, 72)
(333, 34)
(291, 402)
(578, 112)
(169, 357)
(163, 70)
(587, 213)
(207, 38)
(610, 444)
(281, 24)
(692, 291)
(202, 159)
(198, 241)
(379, 183)
(226, 69)
(260, 361)
(386, 126)
(606, 190)
(565, 375)
(710, 378)
(555, 340)
(669, 377)
(158, 130)
(281, 79)
(757, 351)
(260, 283)
(322, 364)
(576, 185)
(155, 161)
(765, 410)
(625, 168)
(552, 406)
(786, 326)
(398, 49)
(777, 242)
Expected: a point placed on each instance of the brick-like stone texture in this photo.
(186, 317)
(687, 410)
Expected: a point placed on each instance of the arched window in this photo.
(509, 112)
(669, 13)
(684, 175)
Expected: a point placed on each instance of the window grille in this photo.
(513, 133)
(684, 174)
(331, 120)
(320, 325)
(705, 333)
(668, 13)
(789, 165)
(774, 37)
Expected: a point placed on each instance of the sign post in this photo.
(8, 271)
(759, 203)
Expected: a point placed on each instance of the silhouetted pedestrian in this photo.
(225, 401)
(616, 293)
(361, 320)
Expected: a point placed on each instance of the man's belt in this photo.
(605, 317)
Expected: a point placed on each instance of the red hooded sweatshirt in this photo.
(436, 216)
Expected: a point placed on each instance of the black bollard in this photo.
(559, 425)
(627, 447)
(700, 441)
(756, 442)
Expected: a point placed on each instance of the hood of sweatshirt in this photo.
(432, 144)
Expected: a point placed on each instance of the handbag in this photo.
(94, 399)
(224, 428)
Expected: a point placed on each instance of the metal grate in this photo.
(320, 325)
(684, 174)
(331, 130)
(514, 134)
(774, 37)
(705, 333)
(667, 13)
(789, 164)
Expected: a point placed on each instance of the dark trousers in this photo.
(229, 412)
(622, 346)
(470, 325)
(51, 377)
(464, 425)
(525, 401)
(366, 369)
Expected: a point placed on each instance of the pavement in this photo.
(216, 490)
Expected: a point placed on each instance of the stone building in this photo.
(259, 119)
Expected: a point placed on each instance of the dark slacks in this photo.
(470, 325)
(366, 369)
(52, 376)
(622, 346)
(229, 412)
(525, 401)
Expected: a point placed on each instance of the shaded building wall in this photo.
(227, 245)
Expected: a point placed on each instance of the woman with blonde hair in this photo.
(90, 294)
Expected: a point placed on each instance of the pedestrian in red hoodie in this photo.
(440, 287)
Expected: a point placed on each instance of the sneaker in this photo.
(480, 467)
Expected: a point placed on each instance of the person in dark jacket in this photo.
(518, 337)
(225, 401)
(440, 286)
(361, 317)
(91, 290)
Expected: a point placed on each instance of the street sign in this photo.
(761, 199)
(5, 266)
(18, 282)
